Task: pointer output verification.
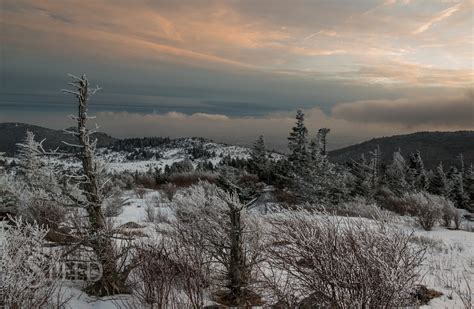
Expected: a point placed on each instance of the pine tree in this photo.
(30, 156)
(438, 183)
(298, 140)
(375, 169)
(469, 187)
(258, 158)
(317, 180)
(416, 175)
(37, 172)
(322, 134)
(396, 174)
(361, 171)
(457, 194)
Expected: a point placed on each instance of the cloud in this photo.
(242, 35)
(439, 17)
(429, 111)
(350, 123)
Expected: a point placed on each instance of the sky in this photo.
(232, 70)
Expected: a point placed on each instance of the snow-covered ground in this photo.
(167, 154)
(451, 254)
(449, 263)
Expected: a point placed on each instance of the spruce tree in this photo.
(416, 176)
(259, 159)
(396, 174)
(457, 194)
(361, 171)
(298, 140)
(469, 187)
(438, 183)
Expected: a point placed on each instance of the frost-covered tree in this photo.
(456, 193)
(367, 174)
(317, 145)
(259, 161)
(396, 174)
(298, 140)
(360, 170)
(318, 180)
(469, 187)
(416, 175)
(438, 184)
(375, 169)
(231, 237)
(322, 133)
(91, 184)
(41, 198)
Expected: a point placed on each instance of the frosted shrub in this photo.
(360, 208)
(449, 212)
(169, 190)
(113, 206)
(27, 278)
(427, 208)
(150, 213)
(170, 274)
(344, 263)
(140, 192)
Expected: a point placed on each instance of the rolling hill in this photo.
(435, 147)
(12, 133)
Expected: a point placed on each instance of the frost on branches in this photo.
(229, 235)
(344, 263)
(28, 277)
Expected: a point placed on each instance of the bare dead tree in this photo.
(229, 236)
(99, 232)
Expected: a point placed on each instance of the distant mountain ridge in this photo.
(435, 147)
(12, 133)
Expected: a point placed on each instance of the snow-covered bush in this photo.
(425, 207)
(113, 206)
(359, 207)
(170, 274)
(150, 213)
(140, 192)
(344, 262)
(449, 212)
(169, 190)
(28, 277)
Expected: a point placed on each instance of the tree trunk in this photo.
(236, 257)
(112, 281)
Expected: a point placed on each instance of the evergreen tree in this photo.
(317, 180)
(37, 172)
(322, 133)
(457, 194)
(259, 162)
(361, 171)
(298, 140)
(396, 174)
(438, 183)
(375, 170)
(469, 187)
(416, 175)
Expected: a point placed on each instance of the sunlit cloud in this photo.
(222, 33)
(439, 17)
(252, 55)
